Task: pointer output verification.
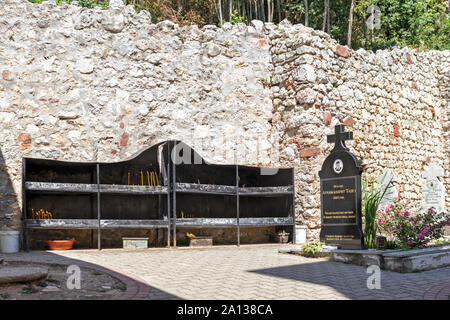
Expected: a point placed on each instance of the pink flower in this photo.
(411, 219)
(406, 213)
(410, 242)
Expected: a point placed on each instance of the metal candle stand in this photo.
(69, 188)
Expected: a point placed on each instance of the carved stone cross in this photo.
(433, 171)
(339, 137)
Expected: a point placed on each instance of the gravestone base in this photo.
(397, 260)
(348, 237)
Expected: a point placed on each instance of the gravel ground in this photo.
(94, 285)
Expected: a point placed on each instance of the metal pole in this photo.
(237, 207)
(293, 207)
(99, 244)
(174, 153)
(24, 208)
(168, 195)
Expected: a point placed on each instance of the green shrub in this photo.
(313, 249)
(371, 198)
(412, 230)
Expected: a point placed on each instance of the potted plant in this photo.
(282, 237)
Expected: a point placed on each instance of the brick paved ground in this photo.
(248, 272)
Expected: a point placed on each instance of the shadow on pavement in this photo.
(348, 280)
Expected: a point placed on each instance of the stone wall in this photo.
(100, 85)
(396, 103)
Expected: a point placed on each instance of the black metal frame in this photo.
(171, 187)
(98, 189)
(237, 192)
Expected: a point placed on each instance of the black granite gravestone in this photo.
(340, 192)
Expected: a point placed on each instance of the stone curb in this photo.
(137, 289)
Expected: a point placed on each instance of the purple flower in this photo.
(406, 213)
(411, 219)
(420, 236)
(410, 242)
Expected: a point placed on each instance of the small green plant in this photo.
(120, 286)
(313, 249)
(236, 18)
(226, 43)
(371, 198)
(96, 273)
(264, 81)
(282, 233)
(392, 244)
(28, 290)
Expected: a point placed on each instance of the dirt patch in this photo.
(94, 285)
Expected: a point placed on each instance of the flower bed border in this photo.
(403, 261)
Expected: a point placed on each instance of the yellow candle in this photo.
(153, 178)
(157, 180)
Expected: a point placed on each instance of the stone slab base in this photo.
(298, 250)
(135, 243)
(21, 274)
(201, 242)
(395, 260)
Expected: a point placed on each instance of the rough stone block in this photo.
(135, 243)
(201, 241)
(309, 152)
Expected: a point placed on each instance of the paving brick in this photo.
(248, 272)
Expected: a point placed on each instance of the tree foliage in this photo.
(421, 24)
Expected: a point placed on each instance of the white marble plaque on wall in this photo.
(433, 190)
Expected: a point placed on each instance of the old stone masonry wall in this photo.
(396, 103)
(89, 84)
